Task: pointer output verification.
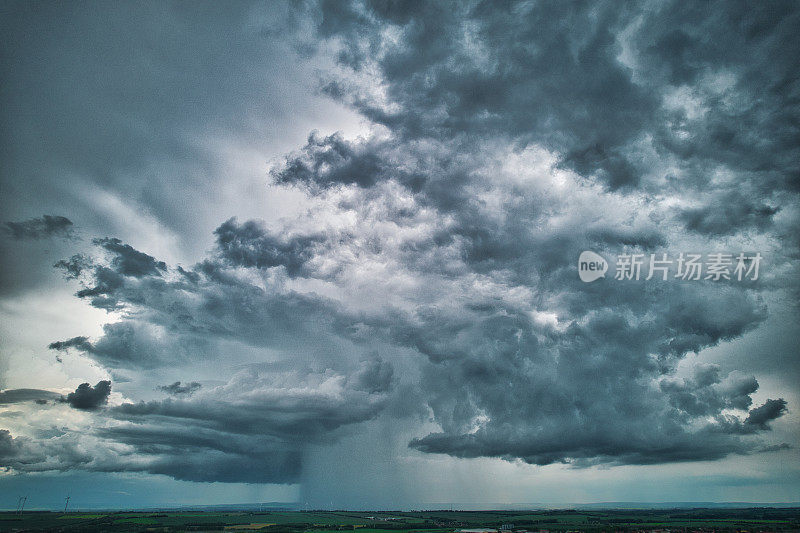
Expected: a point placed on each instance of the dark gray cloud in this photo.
(252, 245)
(748, 124)
(194, 453)
(506, 392)
(129, 261)
(41, 228)
(482, 357)
(190, 454)
(375, 376)
(289, 417)
(74, 266)
(253, 429)
(432, 277)
(706, 393)
(27, 395)
(133, 344)
(710, 86)
(176, 389)
(727, 214)
(539, 73)
(248, 420)
(265, 415)
(89, 398)
(595, 96)
(81, 343)
(331, 160)
(197, 307)
(762, 415)
(13, 450)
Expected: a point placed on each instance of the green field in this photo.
(753, 519)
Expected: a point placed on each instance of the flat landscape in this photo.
(701, 519)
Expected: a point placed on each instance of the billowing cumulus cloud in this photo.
(251, 245)
(88, 397)
(430, 278)
(762, 415)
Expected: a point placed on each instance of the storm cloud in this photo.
(41, 228)
(428, 279)
(88, 397)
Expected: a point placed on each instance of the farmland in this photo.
(706, 520)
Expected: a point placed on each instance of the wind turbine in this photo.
(21, 504)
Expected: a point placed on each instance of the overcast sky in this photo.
(327, 252)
